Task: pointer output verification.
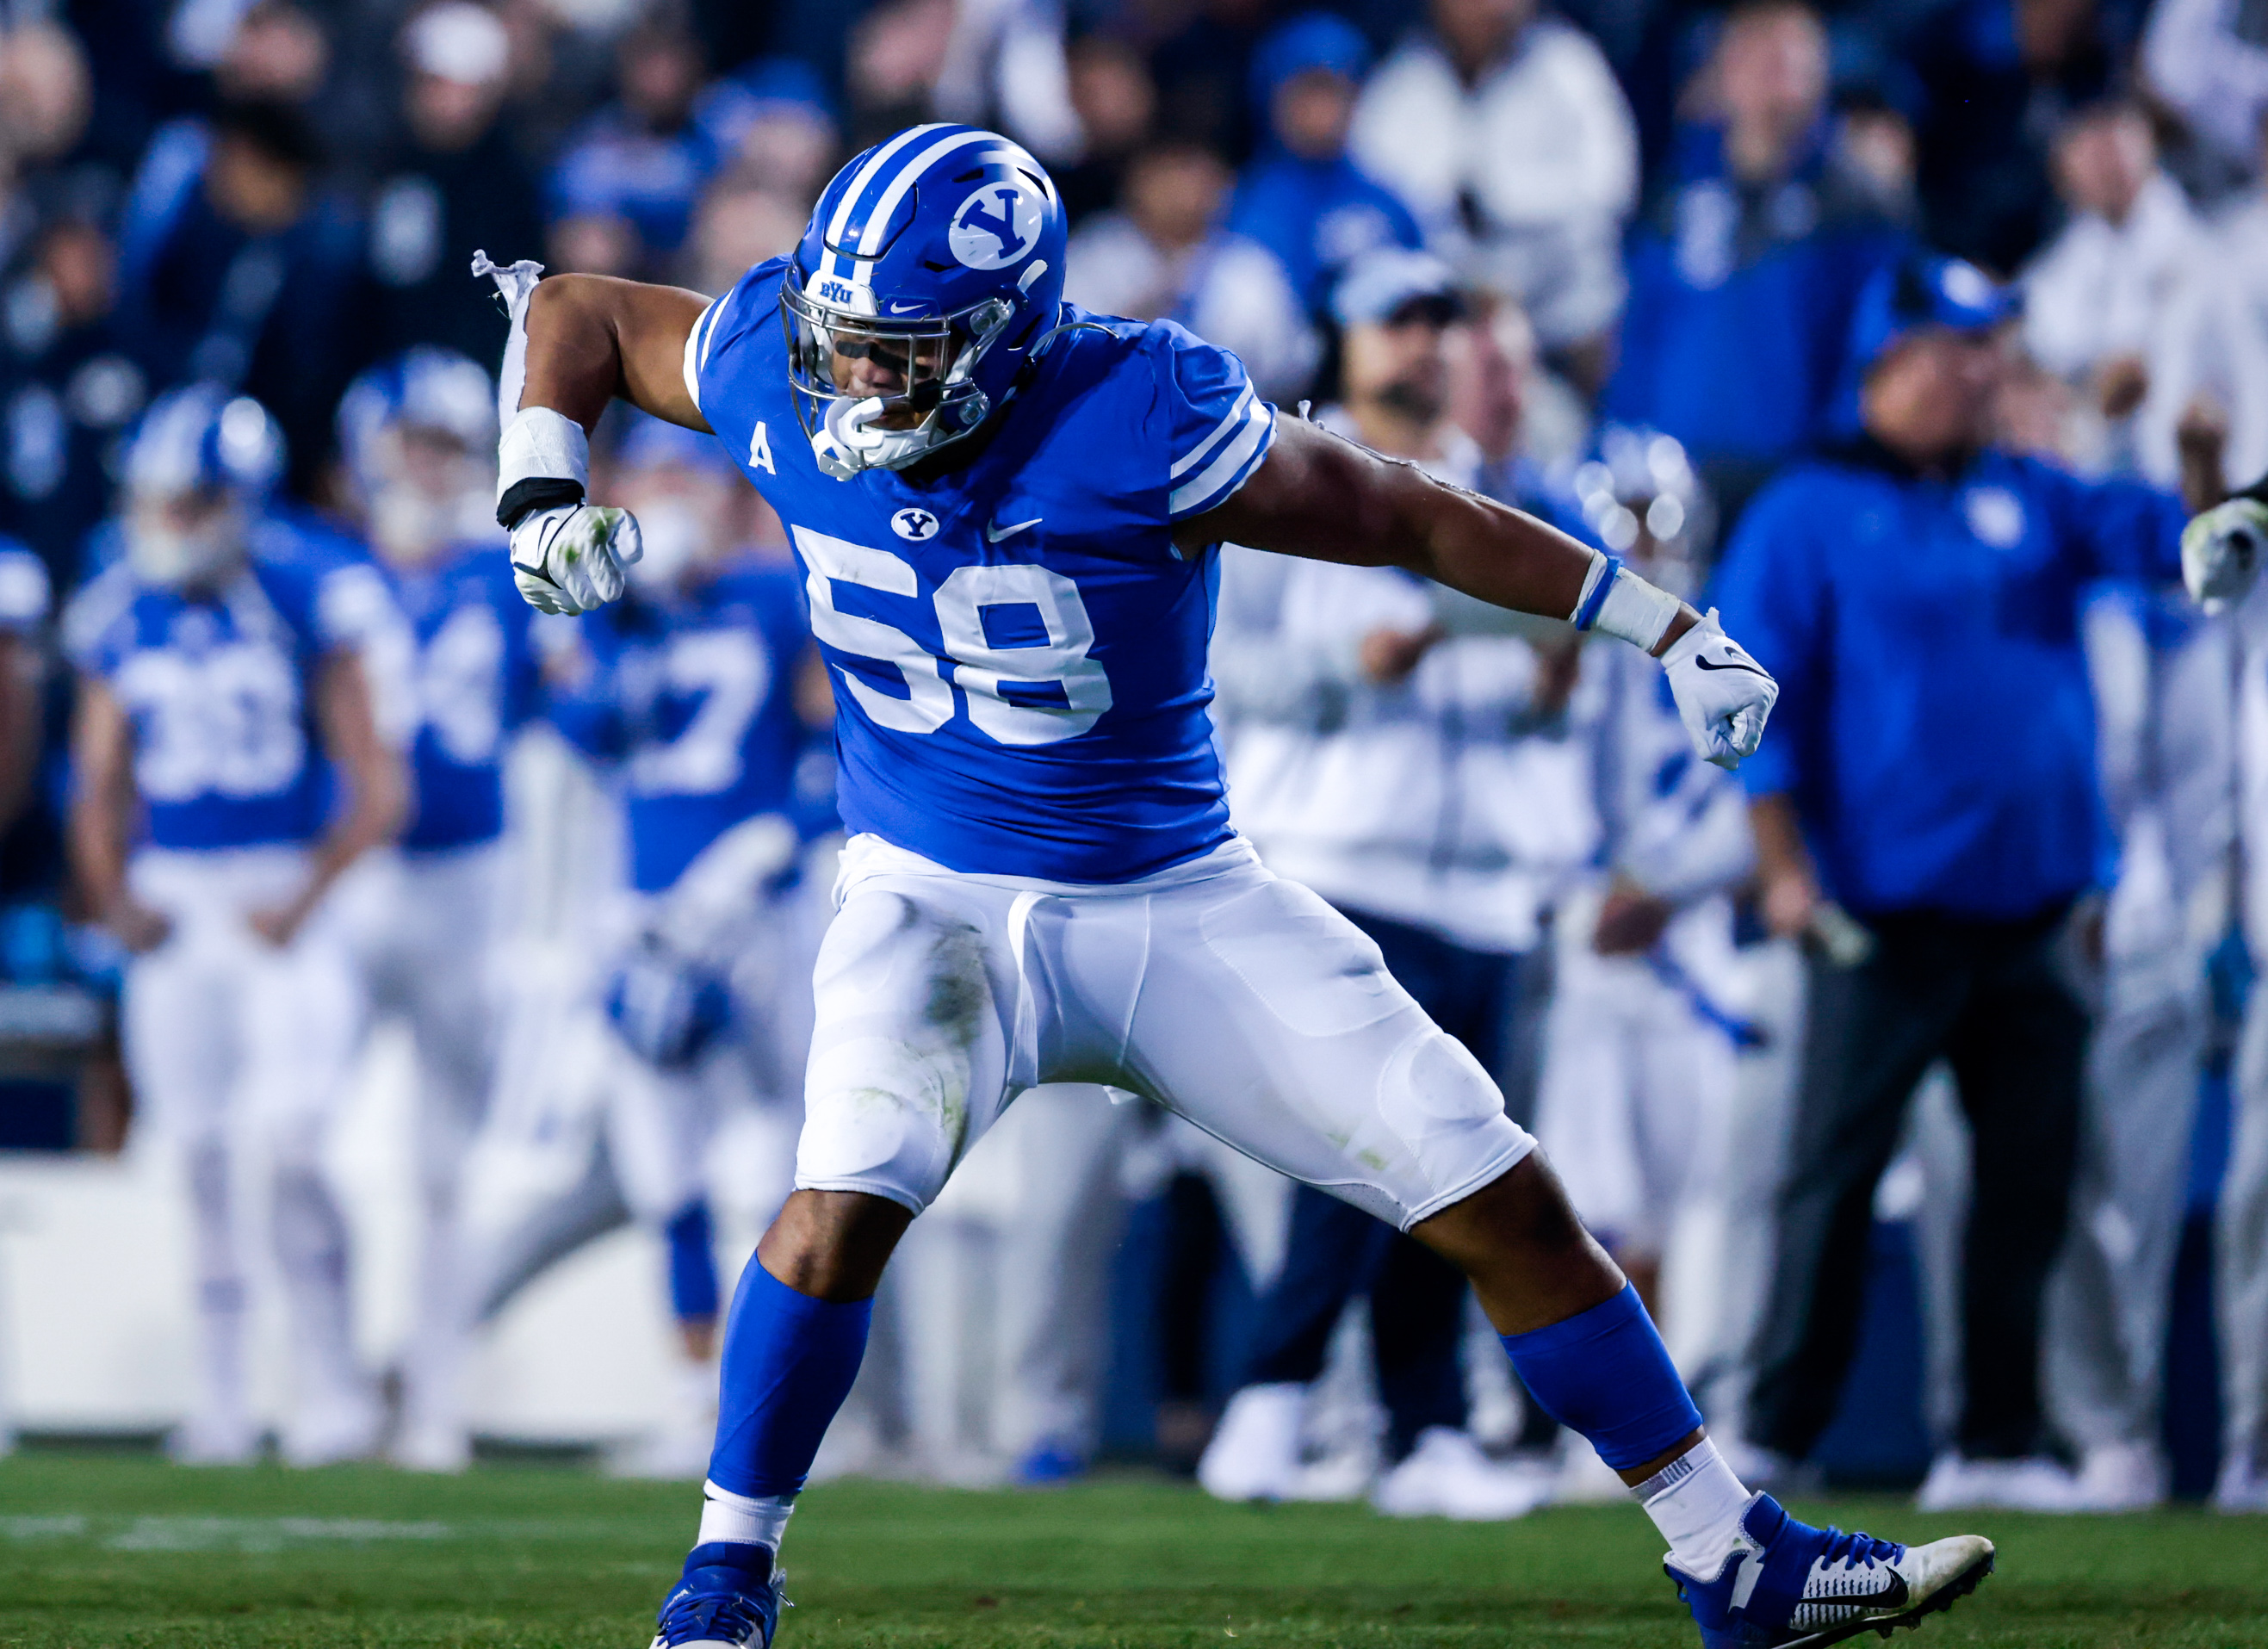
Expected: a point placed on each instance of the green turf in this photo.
(98, 1549)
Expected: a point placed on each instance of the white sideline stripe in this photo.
(1221, 475)
(866, 175)
(878, 220)
(696, 356)
(1236, 414)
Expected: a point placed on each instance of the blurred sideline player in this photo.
(1007, 514)
(213, 684)
(417, 437)
(697, 691)
(1639, 1045)
(2222, 552)
(1387, 765)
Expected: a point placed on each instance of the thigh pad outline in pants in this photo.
(1269, 1019)
(909, 1056)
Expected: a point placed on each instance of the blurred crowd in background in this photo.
(1611, 261)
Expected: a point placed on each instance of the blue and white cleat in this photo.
(729, 1598)
(1788, 1585)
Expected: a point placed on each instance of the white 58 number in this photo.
(982, 670)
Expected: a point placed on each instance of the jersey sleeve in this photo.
(98, 621)
(24, 592)
(1216, 429)
(724, 345)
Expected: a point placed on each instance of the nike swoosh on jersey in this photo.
(1730, 665)
(994, 531)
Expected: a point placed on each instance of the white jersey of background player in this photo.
(213, 682)
(417, 434)
(1640, 1039)
(697, 695)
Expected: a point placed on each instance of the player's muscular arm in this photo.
(378, 786)
(1328, 499)
(1318, 496)
(101, 809)
(591, 338)
(580, 341)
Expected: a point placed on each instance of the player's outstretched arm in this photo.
(1319, 495)
(591, 338)
(579, 341)
(102, 809)
(377, 783)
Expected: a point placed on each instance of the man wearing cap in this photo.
(1916, 593)
(1387, 764)
(1303, 198)
(454, 181)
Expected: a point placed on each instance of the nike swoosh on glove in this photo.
(2222, 551)
(1724, 697)
(569, 558)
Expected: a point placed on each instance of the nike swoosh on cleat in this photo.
(994, 533)
(1945, 1597)
(1751, 669)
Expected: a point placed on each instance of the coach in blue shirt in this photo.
(1931, 770)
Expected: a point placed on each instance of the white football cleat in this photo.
(1955, 1483)
(341, 1426)
(2241, 1487)
(2121, 1478)
(1255, 1451)
(1448, 1476)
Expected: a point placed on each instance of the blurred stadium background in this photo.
(1659, 219)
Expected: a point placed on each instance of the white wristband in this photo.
(1635, 610)
(541, 444)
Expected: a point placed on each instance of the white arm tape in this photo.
(517, 282)
(541, 444)
(1628, 607)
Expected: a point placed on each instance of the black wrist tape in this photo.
(524, 499)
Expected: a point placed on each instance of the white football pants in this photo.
(241, 1053)
(1635, 1106)
(1237, 1000)
(423, 932)
(2240, 1252)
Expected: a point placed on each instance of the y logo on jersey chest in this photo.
(916, 525)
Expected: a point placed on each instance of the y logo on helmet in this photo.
(998, 224)
(915, 525)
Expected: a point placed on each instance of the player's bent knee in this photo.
(833, 1245)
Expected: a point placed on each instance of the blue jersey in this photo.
(219, 689)
(1936, 730)
(1017, 648)
(695, 698)
(472, 679)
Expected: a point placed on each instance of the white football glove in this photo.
(2222, 551)
(1724, 697)
(569, 557)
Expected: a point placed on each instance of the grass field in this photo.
(105, 1550)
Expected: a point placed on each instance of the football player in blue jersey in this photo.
(207, 833)
(689, 691)
(416, 434)
(1007, 513)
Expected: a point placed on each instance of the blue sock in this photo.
(788, 1364)
(692, 1264)
(1604, 1373)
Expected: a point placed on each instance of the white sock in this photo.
(726, 1516)
(1695, 1502)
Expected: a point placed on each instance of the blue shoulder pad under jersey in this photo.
(1017, 645)
(696, 699)
(219, 691)
(472, 679)
(25, 594)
